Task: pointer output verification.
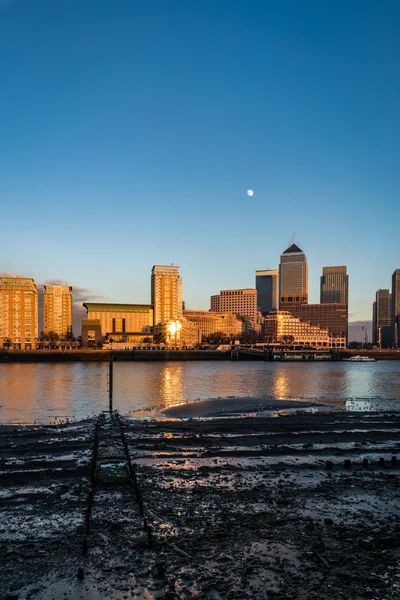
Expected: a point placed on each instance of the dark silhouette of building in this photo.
(382, 319)
(267, 286)
(334, 285)
(396, 308)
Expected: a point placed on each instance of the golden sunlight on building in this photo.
(212, 322)
(281, 327)
(166, 293)
(18, 313)
(57, 309)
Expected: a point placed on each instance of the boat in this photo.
(359, 358)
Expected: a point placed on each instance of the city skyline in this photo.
(124, 150)
(81, 295)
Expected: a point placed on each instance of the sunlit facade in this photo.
(282, 328)
(166, 293)
(242, 302)
(57, 309)
(121, 319)
(18, 313)
(210, 322)
(179, 334)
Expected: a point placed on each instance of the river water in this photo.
(49, 392)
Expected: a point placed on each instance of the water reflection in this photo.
(40, 391)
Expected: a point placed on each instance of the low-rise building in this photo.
(282, 328)
(210, 322)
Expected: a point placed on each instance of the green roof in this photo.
(103, 307)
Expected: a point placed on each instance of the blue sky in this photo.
(130, 132)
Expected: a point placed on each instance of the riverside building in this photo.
(293, 279)
(210, 322)
(282, 328)
(333, 317)
(57, 309)
(396, 308)
(128, 323)
(382, 319)
(166, 293)
(334, 285)
(242, 302)
(18, 313)
(267, 286)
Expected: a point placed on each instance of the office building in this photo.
(334, 285)
(382, 319)
(267, 286)
(293, 279)
(280, 327)
(57, 310)
(333, 317)
(166, 293)
(18, 313)
(395, 316)
(210, 322)
(242, 302)
(121, 322)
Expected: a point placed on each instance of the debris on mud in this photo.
(305, 507)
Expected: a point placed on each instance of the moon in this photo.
(250, 192)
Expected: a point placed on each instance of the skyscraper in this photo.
(267, 290)
(396, 308)
(293, 280)
(334, 285)
(18, 312)
(382, 319)
(57, 309)
(166, 293)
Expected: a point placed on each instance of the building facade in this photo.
(333, 317)
(293, 279)
(166, 293)
(334, 285)
(267, 286)
(243, 302)
(57, 309)
(123, 321)
(281, 327)
(215, 303)
(18, 313)
(210, 322)
(382, 319)
(396, 309)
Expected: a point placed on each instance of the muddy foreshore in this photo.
(237, 508)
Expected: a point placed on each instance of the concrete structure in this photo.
(333, 317)
(166, 293)
(121, 320)
(267, 286)
(210, 322)
(293, 279)
(282, 328)
(91, 333)
(334, 285)
(215, 303)
(18, 313)
(242, 302)
(395, 316)
(382, 319)
(57, 309)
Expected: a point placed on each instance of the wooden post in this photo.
(110, 383)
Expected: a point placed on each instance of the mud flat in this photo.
(236, 508)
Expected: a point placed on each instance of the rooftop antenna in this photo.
(292, 239)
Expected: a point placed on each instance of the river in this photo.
(49, 392)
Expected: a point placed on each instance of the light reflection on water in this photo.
(78, 390)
